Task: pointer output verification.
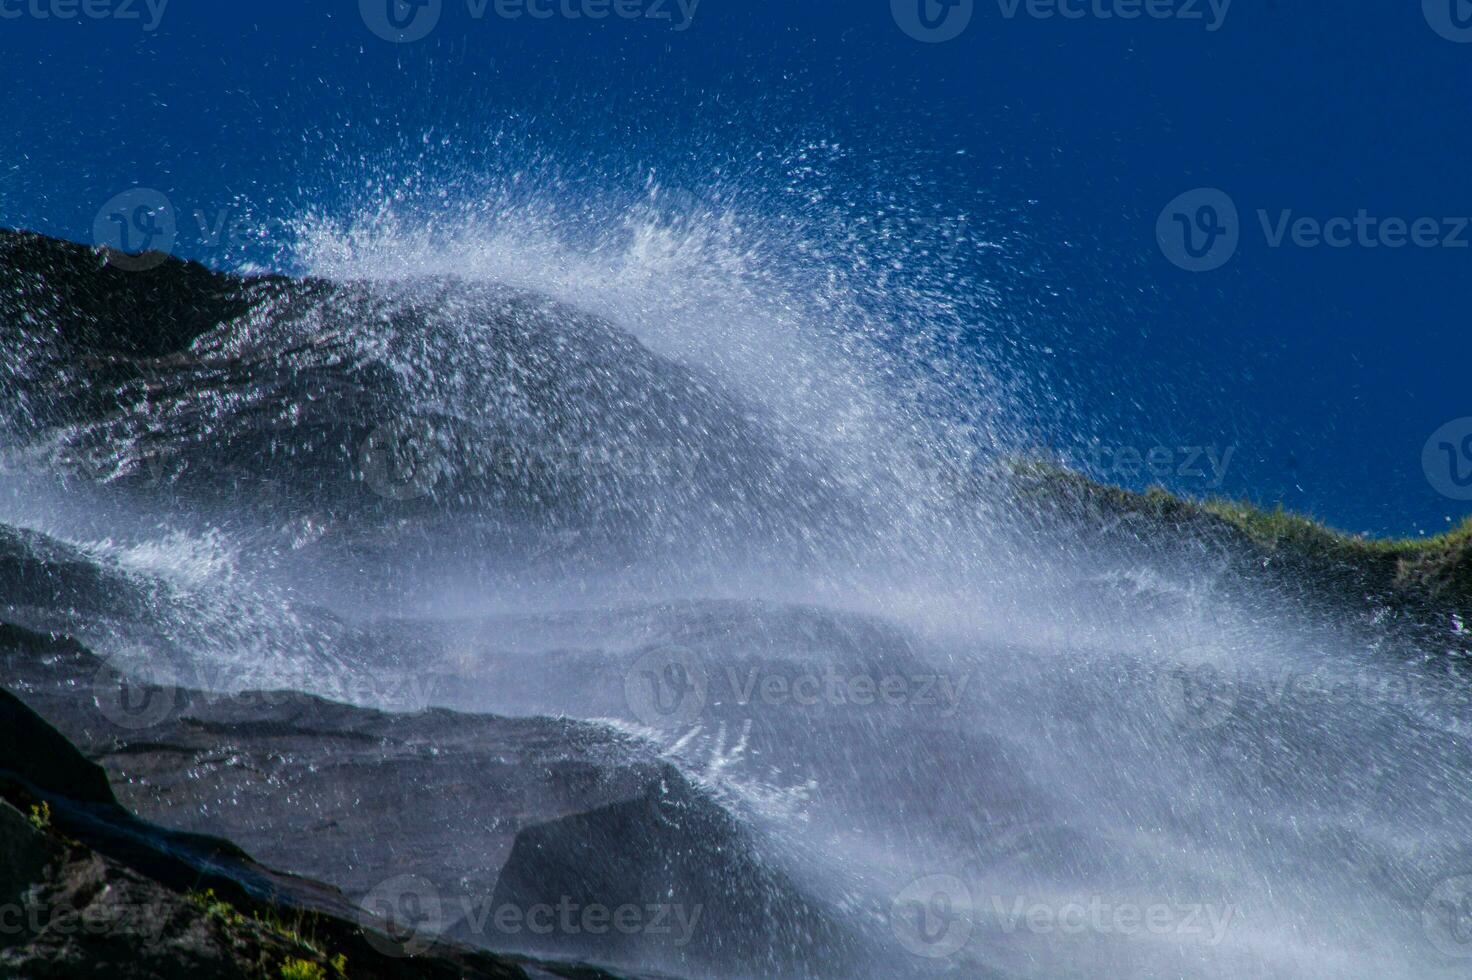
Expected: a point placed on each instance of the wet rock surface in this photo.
(88, 889)
(431, 810)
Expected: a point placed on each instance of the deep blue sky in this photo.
(1328, 369)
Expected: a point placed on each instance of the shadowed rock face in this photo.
(90, 304)
(375, 411)
(48, 762)
(420, 816)
(87, 889)
(1410, 589)
(408, 812)
(711, 894)
(597, 664)
(425, 444)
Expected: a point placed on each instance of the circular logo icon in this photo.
(1199, 696)
(1447, 917)
(933, 917)
(666, 687)
(1447, 459)
(402, 460)
(133, 702)
(1452, 19)
(933, 21)
(401, 21)
(408, 912)
(1199, 231)
(138, 227)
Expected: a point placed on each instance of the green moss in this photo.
(299, 969)
(1432, 571)
(297, 931)
(41, 816)
(217, 908)
(294, 931)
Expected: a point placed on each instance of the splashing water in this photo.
(986, 748)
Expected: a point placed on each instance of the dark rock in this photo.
(49, 762)
(96, 306)
(681, 868)
(295, 401)
(87, 889)
(402, 811)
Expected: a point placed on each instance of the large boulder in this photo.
(668, 879)
(87, 889)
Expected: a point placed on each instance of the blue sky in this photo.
(1325, 369)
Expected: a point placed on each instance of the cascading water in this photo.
(724, 482)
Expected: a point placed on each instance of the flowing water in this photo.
(724, 479)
